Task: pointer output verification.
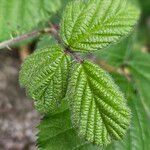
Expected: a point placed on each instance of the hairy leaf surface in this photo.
(44, 74)
(57, 133)
(94, 24)
(19, 16)
(98, 107)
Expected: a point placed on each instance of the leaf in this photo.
(57, 17)
(97, 106)
(138, 136)
(44, 74)
(117, 54)
(140, 69)
(94, 24)
(57, 133)
(46, 41)
(20, 16)
(145, 4)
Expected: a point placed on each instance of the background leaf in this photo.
(46, 41)
(57, 133)
(94, 24)
(116, 55)
(138, 135)
(44, 74)
(19, 16)
(140, 69)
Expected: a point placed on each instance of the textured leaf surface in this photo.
(57, 133)
(140, 69)
(19, 16)
(94, 24)
(98, 107)
(44, 74)
(138, 135)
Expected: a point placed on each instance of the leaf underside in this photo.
(94, 24)
(44, 74)
(97, 106)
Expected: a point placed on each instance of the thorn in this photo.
(9, 48)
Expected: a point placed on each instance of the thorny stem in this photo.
(23, 37)
(29, 35)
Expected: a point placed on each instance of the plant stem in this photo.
(18, 39)
(23, 37)
(67, 50)
(76, 56)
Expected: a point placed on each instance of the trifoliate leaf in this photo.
(138, 135)
(57, 133)
(20, 16)
(94, 24)
(97, 106)
(44, 74)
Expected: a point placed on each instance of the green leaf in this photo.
(145, 5)
(57, 17)
(57, 133)
(138, 135)
(97, 106)
(117, 54)
(140, 69)
(46, 41)
(44, 74)
(94, 24)
(20, 16)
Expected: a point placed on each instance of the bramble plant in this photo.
(83, 107)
